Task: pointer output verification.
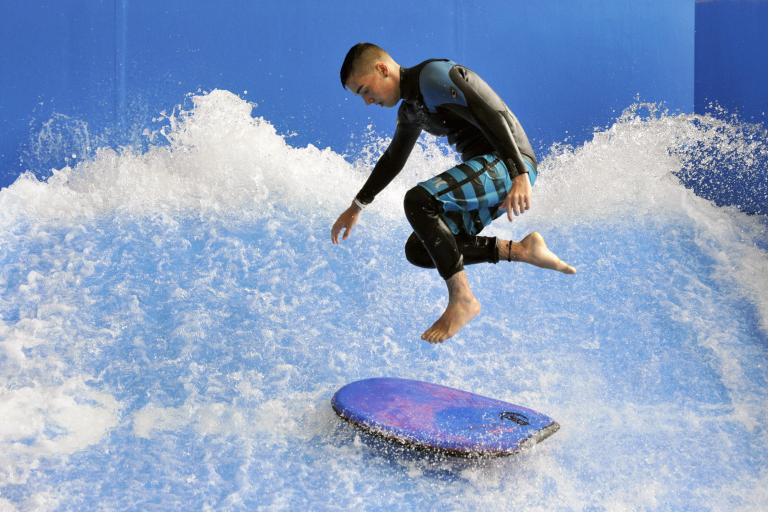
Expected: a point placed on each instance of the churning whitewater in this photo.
(174, 321)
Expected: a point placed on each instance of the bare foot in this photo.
(532, 249)
(462, 307)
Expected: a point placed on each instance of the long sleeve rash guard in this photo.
(446, 99)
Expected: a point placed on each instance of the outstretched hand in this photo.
(346, 221)
(519, 198)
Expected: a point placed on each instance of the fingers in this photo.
(512, 205)
(343, 222)
(517, 204)
(335, 232)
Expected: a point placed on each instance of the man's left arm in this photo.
(492, 117)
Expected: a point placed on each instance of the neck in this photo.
(407, 86)
(396, 77)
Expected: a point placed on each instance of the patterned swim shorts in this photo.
(472, 193)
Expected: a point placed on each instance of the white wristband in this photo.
(359, 204)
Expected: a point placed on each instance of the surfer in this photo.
(448, 212)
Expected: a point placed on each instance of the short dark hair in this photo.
(353, 55)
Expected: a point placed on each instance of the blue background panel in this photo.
(563, 67)
(731, 73)
(731, 56)
(172, 327)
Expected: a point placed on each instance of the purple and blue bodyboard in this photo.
(440, 418)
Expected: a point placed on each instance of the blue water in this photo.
(174, 322)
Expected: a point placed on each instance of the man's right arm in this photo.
(389, 165)
(391, 162)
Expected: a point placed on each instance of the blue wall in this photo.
(732, 72)
(732, 57)
(563, 67)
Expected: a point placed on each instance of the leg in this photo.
(462, 307)
(481, 249)
(474, 249)
(423, 212)
(532, 249)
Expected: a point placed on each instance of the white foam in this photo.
(272, 420)
(222, 167)
(222, 161)
(219, 159)
(42, 422)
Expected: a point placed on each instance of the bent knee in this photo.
(417, 199)
(417, 254)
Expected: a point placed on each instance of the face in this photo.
(377, 87)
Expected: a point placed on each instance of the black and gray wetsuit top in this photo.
(446, 99)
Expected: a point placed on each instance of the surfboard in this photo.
(439, 418)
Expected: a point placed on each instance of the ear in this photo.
(382, 68)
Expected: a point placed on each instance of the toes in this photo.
(439, 335)
(434, 335)
(437, 338)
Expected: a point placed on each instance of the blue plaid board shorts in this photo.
(472, 193)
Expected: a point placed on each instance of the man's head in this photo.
(372, 74)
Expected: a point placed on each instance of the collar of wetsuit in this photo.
(409, 84)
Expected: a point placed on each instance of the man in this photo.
(448, 211)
